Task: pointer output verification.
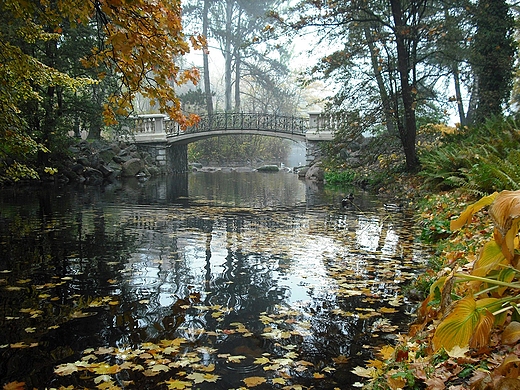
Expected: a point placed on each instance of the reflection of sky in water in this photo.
(368, 233)
(296, 257)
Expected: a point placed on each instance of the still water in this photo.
(217, 280)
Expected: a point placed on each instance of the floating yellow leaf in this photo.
(236, 359)
(176, 384)
(199, 377)
(66, 369)
(363, 372)
(160, 367)
(262, 360)
(278, 381)
(105, 368)
(254, 381)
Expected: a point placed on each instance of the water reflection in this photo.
(261, 277)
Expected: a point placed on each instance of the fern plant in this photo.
(481, 160)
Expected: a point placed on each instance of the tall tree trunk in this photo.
(458, 95)
(205, 60)
(228, 54)
(388, 110)
(238, 65)
(408, 131)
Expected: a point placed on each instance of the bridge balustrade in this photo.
(243, 121)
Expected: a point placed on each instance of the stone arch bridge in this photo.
(168, 144)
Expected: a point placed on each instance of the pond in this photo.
(214, 280)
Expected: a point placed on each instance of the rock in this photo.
(107, 155)
(105, 170)
(132, 167)
(268, 168)
(93, 176)
(315, 173)
(83, 161)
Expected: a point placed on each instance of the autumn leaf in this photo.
(489, 258)
(199, 377)
(14, 386)
(511, 333)
(470, 210)
(363, 372)
(386, 352)
(236, 359)
(279, 381)
(505, 212)
(177, 384)
(262, 360)
(66, 369)
(467, 322)
(254, 381)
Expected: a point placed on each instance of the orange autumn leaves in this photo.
(143, 42)
(469, 324)
(140, 40)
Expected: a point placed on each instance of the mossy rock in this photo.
(268, 168)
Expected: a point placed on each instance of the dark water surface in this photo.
(229, 280)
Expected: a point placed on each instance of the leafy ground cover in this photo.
(467, 329)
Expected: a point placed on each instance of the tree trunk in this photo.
(227, 54)
(408, 132)
(205, 59)
(388, 111)
(237, 66)
(458, 95)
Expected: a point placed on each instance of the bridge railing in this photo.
(243, 121)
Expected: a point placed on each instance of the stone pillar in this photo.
(177, 158)
(312, 151)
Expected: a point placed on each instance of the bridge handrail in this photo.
(243, 121)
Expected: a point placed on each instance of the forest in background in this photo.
(391, 68)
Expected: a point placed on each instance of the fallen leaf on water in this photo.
(14, 386)
(105, 368)
(102, 378)
(341, 359)
(176, 384)
(279, 381)
(236, 359)
(365, 372)
(388, 310)
(160, 367)
(262, 360)
(199, 377)
(66, 369)
(386, 352)
(254, 381)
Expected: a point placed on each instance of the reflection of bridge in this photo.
(164, 138)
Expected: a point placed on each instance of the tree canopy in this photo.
(135, 41)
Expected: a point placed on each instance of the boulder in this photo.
(93, 176)
(107, 155)
(315, 173)
(132, 167)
